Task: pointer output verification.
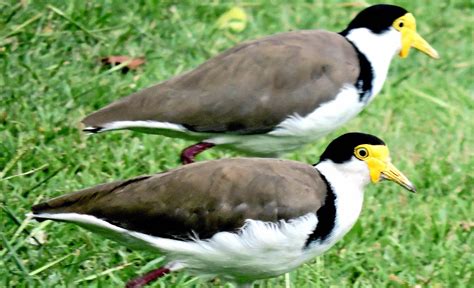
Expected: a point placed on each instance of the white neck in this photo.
(347, 181)
(379, 50)
(353, 175)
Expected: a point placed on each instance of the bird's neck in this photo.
(347, 183)
(345, 177)
(379, 50)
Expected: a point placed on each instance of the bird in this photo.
(270, 96)
(239, 219)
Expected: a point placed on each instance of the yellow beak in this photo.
(412, 39)
(393, 174)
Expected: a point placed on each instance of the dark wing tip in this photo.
(41, 207)
(90, 124)
(93, 129)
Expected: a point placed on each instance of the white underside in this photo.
(289, 135)
(260, 249)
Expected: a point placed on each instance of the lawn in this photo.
(51, 77)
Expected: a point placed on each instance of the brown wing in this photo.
(205, 197)
(248, 89)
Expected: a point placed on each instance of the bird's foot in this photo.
(147, 278)
(188, 154)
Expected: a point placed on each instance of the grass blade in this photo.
(20, 27)
(108, 271)
(15, 257)
(77, 24)
(430, 98)
(25, 173)
(50, 264)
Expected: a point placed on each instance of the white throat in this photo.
(379, 50)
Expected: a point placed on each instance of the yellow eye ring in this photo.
(361, 153)
(399, 24)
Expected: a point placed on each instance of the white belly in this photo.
(259, 250)
(296, 131)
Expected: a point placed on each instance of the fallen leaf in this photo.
(466, 225)
(129, 62)
(235, 19)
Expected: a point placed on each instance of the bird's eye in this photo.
(400, 24)
(361, 153)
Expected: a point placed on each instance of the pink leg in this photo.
(188, 154)
(147, 278)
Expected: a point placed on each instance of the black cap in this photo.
(341, 149)
(376, 18)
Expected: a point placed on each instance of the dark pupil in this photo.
(400, 25)
(363, 153)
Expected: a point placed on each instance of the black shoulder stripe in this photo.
(326, 216)
(366, 75)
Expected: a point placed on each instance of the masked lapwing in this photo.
(239, 219)
(272, 95)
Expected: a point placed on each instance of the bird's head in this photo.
(382, 18)
(364, 156)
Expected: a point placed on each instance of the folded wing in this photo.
(202, 198)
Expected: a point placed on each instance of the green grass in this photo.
(50, 79)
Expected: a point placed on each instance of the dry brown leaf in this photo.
(132, 63)
(466, 225)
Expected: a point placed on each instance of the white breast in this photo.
(325, 118)
(348, 184)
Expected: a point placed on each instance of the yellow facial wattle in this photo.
(377, 158)
(410, 38)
